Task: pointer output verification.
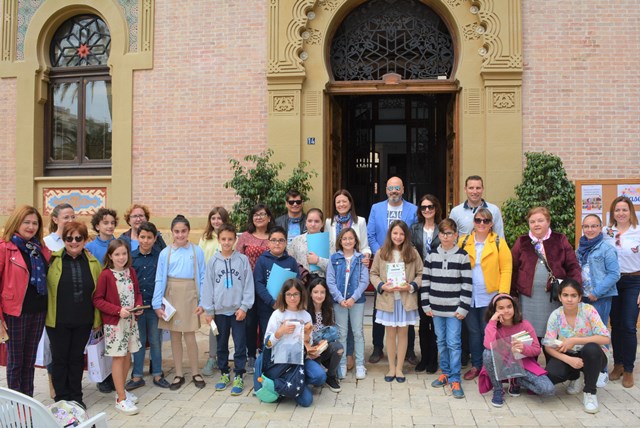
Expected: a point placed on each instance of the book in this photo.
(524, 337)
(396, 274)
(214, 328)
(139, 308)
(169, 310)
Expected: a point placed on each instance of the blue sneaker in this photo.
(498, 398)
(441, 381)
(238, 386)
(456, 390)
(224, 382)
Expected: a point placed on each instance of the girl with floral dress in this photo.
(117, 293)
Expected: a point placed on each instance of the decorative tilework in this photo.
(26, 10)
(132, 13)
(85, 200)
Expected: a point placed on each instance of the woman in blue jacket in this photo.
(600, 272)
(348, 278)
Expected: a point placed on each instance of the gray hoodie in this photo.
(228, 285)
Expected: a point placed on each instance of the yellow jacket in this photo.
(496, 264)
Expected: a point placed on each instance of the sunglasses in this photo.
(427, 207)
(481, 220)
(72, 238)
(392, 188)
(295, 202)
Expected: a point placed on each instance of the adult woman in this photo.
(179, 279)
(135, 216)
(623, 234)
(23, 294)
(61, 215)
(252, 243)
(491, 264)
(344, 215)
(575, 342)
(530, 276)
(71, 281)
(298, 248)
(424, 237)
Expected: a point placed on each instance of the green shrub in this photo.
(260, 184)
(544, 183)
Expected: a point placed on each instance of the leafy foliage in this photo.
(544, 183)
(260, 184)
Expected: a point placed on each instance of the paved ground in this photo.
(364, 403)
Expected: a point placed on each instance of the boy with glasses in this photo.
(294, 221)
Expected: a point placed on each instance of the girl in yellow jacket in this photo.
(491, 274)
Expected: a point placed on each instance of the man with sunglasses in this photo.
(463, 214)
(294, 221)
(381, 216)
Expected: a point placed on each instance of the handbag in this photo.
(329, 333)
(98, 364)
(553, 284)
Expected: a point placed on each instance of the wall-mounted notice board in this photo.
(595, 197)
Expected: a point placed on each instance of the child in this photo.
(504, 319)
(298, 248)
(397, 303)
(61, 215)
(576, 342)
(348, 278)
(290, 310)
(210, 244)
(320, 307)
(446, 296)
(145, 263)
(116, 294)
(276, 254)
(104, 222)
(179, 279)
(228, 294)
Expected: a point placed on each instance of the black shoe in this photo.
(421, 366)
(333, 384)
(376, 355)
(432, 368)
(178, 381)
(411, 358)
(464, 360)
(106, 386)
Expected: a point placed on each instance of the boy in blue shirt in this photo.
(104, 222)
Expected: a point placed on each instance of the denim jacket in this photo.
(604, 270)
(358, 278)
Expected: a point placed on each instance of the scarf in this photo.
(537, 243)
(342, 221)
(38, 264)
(586, 246)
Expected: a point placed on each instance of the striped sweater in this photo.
(446, 282)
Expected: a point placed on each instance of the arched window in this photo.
(79, 124)
(392, 36)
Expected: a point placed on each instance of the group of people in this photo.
(456, 278)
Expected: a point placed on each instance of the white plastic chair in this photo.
(21, 411)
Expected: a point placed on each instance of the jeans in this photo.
(355, 316)
(624, 316)
(603, 306)
(67, 355)
(148, 327)
(251, 332)
(314, 375)
(448, 338)
(263, 313)
(227, 324)
(331, 358)
(594, 360)
(476, 325)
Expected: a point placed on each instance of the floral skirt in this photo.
(121, 338)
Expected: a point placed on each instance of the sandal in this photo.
(178, 381)
(198, 381)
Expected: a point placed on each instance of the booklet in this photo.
(169, 310)
(524, 337)
(396, 274)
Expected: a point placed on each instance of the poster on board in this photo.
(592, 199)
(631, 191)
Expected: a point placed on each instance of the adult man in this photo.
(382, 214)
(463, 214)
(294, 221)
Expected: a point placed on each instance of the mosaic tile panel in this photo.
(26, 10)
(131, 12)
(85, 200)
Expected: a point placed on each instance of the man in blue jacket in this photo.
(381, 216)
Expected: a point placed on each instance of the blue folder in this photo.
(318, 243)
(277, 277)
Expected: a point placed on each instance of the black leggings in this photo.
(594, 360)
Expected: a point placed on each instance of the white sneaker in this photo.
(126, 407)
(575, 386)
(342, 373)
(590, 403)
(603, 380)
(361, 372)
(130, 396)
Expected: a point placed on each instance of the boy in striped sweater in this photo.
(445, 295)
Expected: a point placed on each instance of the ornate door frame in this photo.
(487, 73)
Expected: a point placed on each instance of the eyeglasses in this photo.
(448, 233)
(138, 216)
(427, 207)
(591, 226)
(295, 202)
(277, 241)
(292, 295)
(481, 220)
(260, 215)
(72, 238)
(392, 188)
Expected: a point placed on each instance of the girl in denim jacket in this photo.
(348, 278)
